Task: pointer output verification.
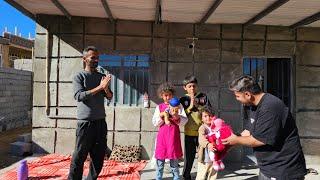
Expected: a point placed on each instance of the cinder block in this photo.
(110, 142)
(311, 72)
(253, 48)
(39, 69)
(126, 138)
(27, 138)
(178, 71)
(102, 42)
(231, 51)
(98, 26)
(142, 28)
(67, 123)
(146, 119)
(43, 140)
(133, 43)
(160, 30)
(65, 142)
(39, 94)
(158, 71)
(228, 101)
(311, 148)
(280, 48)
(307, 98)
(231, 31)
(110, 117)
(159, 49)
(40, 119)
(50, 22)
(67, 112)
(256, 32)
(180, 30)
(207, 31)
(148, 144)
(213, 95)
(308, 34)
(229, 72)
(207, 51)
(66, 96)
(207, 74)
(179, 50)
(19, 148)
(75, 25)
(280, 33)
(125, 122)
(71, 45)
(308, 53)
(69, 67)
(308, 123)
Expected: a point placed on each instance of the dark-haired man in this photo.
(90, 90)
(271, 132)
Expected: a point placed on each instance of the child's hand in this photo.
(163, 114)
(211, 147)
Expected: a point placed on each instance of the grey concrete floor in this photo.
(235, 171)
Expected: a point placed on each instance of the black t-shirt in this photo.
(272, 123)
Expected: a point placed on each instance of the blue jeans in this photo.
(174, 169)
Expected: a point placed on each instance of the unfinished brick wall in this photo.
(217, 60)
(15, 98)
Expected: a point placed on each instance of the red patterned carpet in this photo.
(54, 166)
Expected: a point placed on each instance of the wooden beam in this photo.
(107, 10)
(210, 11)
(21, 9)
(61, 8)
(265, 12)
(306, 21)
(157, 16)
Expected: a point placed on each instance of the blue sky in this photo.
(11, 17)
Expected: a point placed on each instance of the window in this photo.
(130, 77)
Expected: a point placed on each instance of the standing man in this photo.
(271, 132)
(90, 89)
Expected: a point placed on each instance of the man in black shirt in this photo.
(271, 132)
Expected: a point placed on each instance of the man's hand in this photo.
(211, 147)
(231, 140)
(105, 81)
(245, 133)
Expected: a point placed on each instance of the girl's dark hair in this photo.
(206, 109)
(165, 88)
(245, 83)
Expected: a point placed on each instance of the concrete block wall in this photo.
(216, 60)
(15, 98)
(23, 64)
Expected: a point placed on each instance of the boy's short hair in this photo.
(206, 109)
(89, 48)
(190, 79)
(165, 88)
(245, 83)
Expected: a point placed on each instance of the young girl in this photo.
(205, 164)
(168, 116)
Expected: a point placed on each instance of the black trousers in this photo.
(264, 177)
(190, 148)
(91, 139)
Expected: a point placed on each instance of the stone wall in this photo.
(23, 64)
(217, 59)
(15, 98)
